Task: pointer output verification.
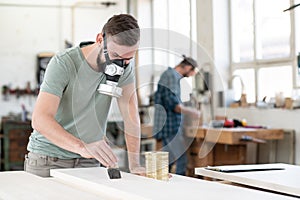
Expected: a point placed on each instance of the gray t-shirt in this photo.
(82, 110)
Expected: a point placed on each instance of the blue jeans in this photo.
(176, 147)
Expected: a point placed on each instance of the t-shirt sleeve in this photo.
(128, 76)
(56, 77)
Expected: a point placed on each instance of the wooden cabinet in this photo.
(14, 145)
(195, 159)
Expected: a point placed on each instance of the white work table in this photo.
(25, 186)
(284, 181)
(137, 187)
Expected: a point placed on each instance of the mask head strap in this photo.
(105, 49)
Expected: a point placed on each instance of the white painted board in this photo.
(285, 181)
(20, 185)
(137, 187)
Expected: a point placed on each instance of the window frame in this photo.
(257, 64)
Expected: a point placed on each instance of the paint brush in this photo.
(114, 171)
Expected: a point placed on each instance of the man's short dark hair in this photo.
(125, 29)
(188, 61)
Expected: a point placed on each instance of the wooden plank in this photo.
(270, 134)
(195, 132)
(20, 185)
(284, 181)
(137, 187)
(233, 135)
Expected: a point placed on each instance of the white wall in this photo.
(29, 27)
(213, 37)
(273, 118)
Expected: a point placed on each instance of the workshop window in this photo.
(278, 79)
(262, 41)
(174, 34)
(173, 31)
(175, 18)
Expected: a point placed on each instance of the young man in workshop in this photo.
(70, 115)
(169, 110)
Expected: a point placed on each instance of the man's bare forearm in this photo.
(47, 126)
(133, 148)
(128, 105)
(183, 109)
(133, 135)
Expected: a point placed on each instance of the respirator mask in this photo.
(113, 71)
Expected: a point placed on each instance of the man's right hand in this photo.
(101, 151)
(195, 114)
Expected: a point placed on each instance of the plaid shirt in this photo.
(167, 123)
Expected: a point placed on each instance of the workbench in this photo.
(93, 183)
(223, 146)
(271, 177)
(232, 136)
